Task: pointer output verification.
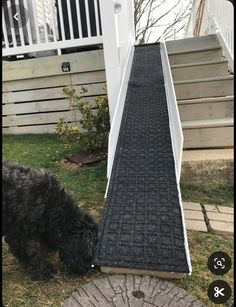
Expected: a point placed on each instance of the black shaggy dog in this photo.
(38, 213)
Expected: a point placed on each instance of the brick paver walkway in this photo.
(131, 291)
(212, 218)
(220, 219)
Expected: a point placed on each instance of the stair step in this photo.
(206, 100)
(203, 88)
(192, 56)
(211, 137)
(208, 155)
(199, 70)
(206, 108)
(198, 63)
(208, 123)
(184, 51)
(214, 133)
(192, 43)
(201, 80)
(204, 92)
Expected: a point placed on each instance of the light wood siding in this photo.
(33, 98)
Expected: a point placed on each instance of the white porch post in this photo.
(111, 52)
(118, 43)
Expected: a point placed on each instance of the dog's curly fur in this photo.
(39, 213)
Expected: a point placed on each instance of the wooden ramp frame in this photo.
(143, 231)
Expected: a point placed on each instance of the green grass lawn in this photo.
(219, 196)
(88, 187)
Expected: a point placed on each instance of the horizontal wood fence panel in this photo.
(51, 93)
(30, 84)
(216, 137)
(51, 66)
(88, 77)
(39, 106)
(35, 129)
(30, 129)
(40, 118)
(33, 99)
(54, 81)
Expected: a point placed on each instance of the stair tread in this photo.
(208, 154)
(205, 100)
(193, 43)
(207, 123)
(228, 77)
(198, 63)
(193, 50)
(194, 38)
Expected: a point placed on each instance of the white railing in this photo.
(222, 21)
(176, 133)
(218, 18)
(173, 111)
(118, 44)
(40, 25)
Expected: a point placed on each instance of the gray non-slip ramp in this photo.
(142, 227)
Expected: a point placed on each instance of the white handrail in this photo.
(174, 118)
(55, 35)
(117, 22)
(221, 17)
(218, 18)
(115, 126)
(176, 134)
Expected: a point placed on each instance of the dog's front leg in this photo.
(31, 254)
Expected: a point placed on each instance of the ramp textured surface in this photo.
(142, 222)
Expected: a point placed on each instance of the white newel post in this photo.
(111, 52)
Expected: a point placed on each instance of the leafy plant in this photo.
(90, 124)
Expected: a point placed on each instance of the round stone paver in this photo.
(131, 291)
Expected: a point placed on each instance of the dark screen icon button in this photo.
(219, 263)
(15, 15)
(219, 292)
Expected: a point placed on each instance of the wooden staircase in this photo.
(204, 91)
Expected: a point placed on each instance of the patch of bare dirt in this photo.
(82, 158)
(77, 160)
(68, 165)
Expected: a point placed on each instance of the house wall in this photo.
(33, 98)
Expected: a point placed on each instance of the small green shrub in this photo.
(91, 122)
